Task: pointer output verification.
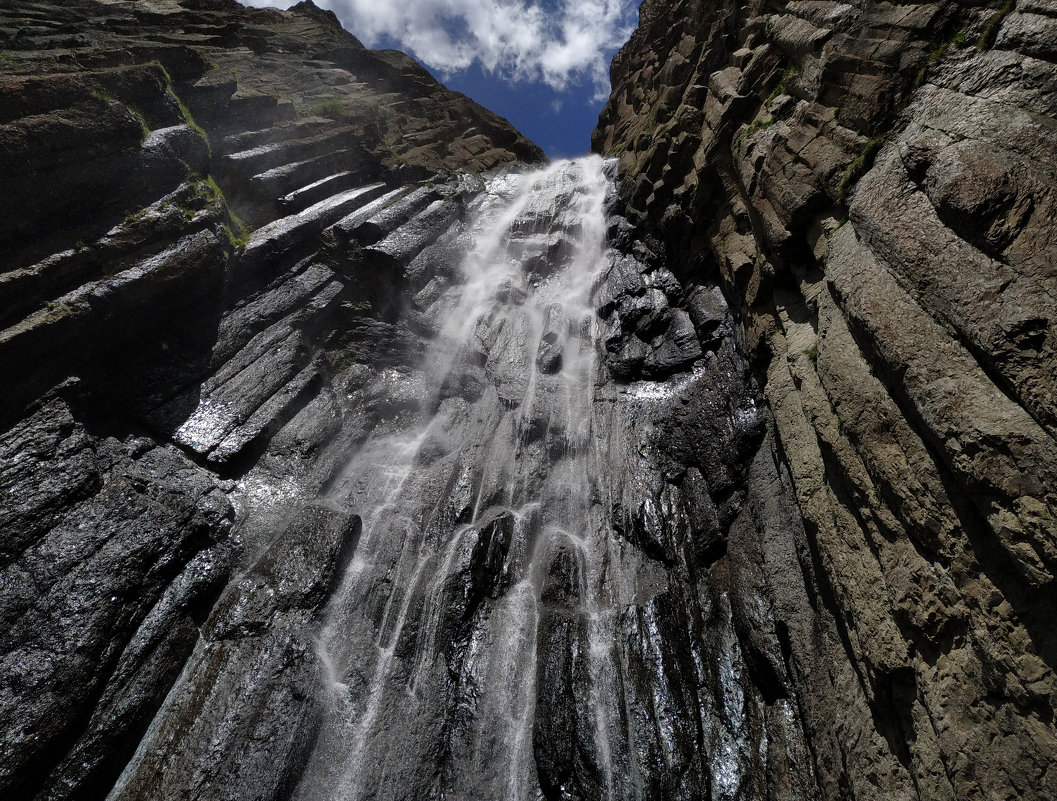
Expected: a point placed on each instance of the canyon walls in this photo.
(872, 186)
(346, 451)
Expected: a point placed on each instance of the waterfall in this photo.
(520, 619)
(482, 522)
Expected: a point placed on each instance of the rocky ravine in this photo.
(227, 248)
(873, 186)
(228, 235)
(175, 176)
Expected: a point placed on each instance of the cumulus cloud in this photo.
(557, 42)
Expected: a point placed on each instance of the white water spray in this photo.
(481, 523)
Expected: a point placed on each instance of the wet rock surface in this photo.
(539, 604)
(869, 185)
(242, 718)
(183, 340)
(116, 551)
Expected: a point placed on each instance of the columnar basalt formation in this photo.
(219, 334)
(872, 186)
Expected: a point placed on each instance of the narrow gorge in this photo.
(349, 449)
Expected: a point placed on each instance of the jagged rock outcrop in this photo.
(871, 184)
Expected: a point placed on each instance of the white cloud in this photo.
(558, 42)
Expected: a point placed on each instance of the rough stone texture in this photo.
(827, 401)
(114, 552)
(285, 99)
(179, 335)
(254, 670)
(872, 186)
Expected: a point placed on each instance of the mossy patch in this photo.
(238, 237)
(109, 99)
(331, 107)
(956, 41)
(392, 158)
(185, 112)
(854, 171)
(134, 217)
(990, 31)
(753, 128)
(812, 352)
(206, 190)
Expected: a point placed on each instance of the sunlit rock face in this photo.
(871, 185)
(416, 485)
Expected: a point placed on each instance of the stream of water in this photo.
(483, 527)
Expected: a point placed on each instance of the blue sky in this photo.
(542, 64)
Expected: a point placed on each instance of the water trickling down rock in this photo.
(526, 484)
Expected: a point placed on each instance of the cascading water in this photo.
(503, 630)
(478, 515)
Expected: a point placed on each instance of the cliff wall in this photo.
(826, 403)
(177, 180)
(872, 185)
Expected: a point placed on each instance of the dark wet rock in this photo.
(132, 286)
(564, 771)
(552, 342)
(102, 592)
(826, 456)
(408, 238)
(440, 259)
(679, 347)
(626, 356)
(509, 356)
(293, 577)
(708, 311)
(866, 186)
(623, 280)
(256, 667)
(563, 763)
(48, 463)
(545, 255)
(390, 215)
(645, 314)
(491, 571)
(651, 532)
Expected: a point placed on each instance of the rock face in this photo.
(871, 186)
(174, 311)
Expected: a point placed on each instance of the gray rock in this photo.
(552, 342)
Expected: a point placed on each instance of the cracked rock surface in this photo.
(871, 184)
(824, 402)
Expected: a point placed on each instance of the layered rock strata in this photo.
(872, 184)
(228, 296)
(173, 304)
(823, 533)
